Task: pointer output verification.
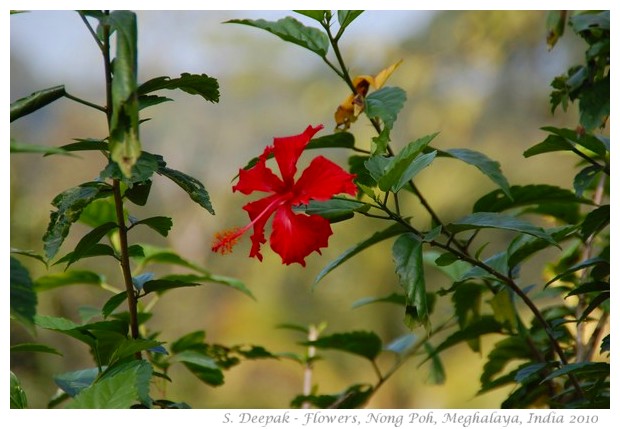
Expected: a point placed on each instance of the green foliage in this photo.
(35, 101)
(17, 395)
(23, 296)
(361, 343)
(385, 104)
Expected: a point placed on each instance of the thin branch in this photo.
(86, 103)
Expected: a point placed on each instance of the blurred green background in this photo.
(480, 78)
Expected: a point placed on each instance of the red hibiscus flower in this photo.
(294, 235)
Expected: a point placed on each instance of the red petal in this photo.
(258, 178)
(287, 151)
(321, 181)
(295, 236)
(259, 214)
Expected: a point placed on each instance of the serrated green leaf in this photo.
(17, 396)
(91, 239)
(161, 224)
(437, 374)
(23, 299)
(409, 265)
(467, 300)
(336, 209)
(70, 204)
(293, 31)
(578, 267)
(504, 351)
(34, 347)
(202, 366)
(189, 341)
(525, 373)
(131, 346)
(67, 278)
(196, 84)
(145, 101)
(192, 186)
(499, 221)
(377, 237)
(74, 382)
(385, 104)
(486, 165)
(35, 101)
(594, 104)
(361, 343)
(139, 192)
(120, 389)
(552, 143)
(595, 221)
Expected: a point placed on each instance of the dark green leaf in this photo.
(291, 30)
(354, 397)
(584, 179)
(591, 20)
(582, 369)
(35, 101)
(586, 140)
(162, 285)
(29, 253)
(595, 221)
(361, 343)
(483, 163)
(467, 300)
(192, 186)
(195, 84)
(113, 303)
(317, 15)
(394, 298)
(340, 140)
(454, 271)
(411, 170)
(357, 166)
(139, 192)
(70, 205)
(254, 352)
(499, 262)
(504, 309)
(496, 201)
(89, 240)
(17, 147)
(143, 371)
(377, 237)
(95, 250)
(17, 396)
(145, 101)
(74, 382)
(143, 169)
(211, 278)
(504, 351)
(594, 304)
(34, 347)
(526, 373)
(202, 366)
(67, 278)
(85, 145)
(121, 389)
(161, 224)
(131, 346)
(193, 340)
(580, 266)
(437, 374)
(499, 221)
(524, 246)
(336, 209)
(595, 286)
(385, 104)
(124, 138)
(605, 344)
(446, 259)
(409, 265)
(594, 105)
(346, 17)
(23, 298)
(552, 143)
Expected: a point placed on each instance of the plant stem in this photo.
(86, 103)
(313, 334)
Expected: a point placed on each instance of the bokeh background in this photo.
(481, 78)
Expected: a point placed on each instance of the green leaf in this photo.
(98, 212)
(361, 343)
(17, 395)
(195, 84)
(89, 240)
(504, 351)
(35, 101)
(189, 341)
(591, 20)
(407, 256)
(145, 101)
(499, 221)
(202, 366)
(131, 346)
(139, 192)
(141, 171)
(353, 397)
(437, 374)
(336, 209)
(595, 221)
(30, 254)
(394, 173)
(555, 23)
(584, 179)
(17, 147)
(95, 250)
(124, 138)
(605, 344)
(340, 140)
(504, 309)
(586, 140)
(467, 300)
(67, 278)
(85, 145)
(162, 285)
(483, 163)
(161, 224)
(525, 246)
(583, 369)
(394, 298)
(446, 259)
(192, 186)
(34, 347)
(385, 104)
(121, 389)
(74, 382)
(317, 15)
(578, 267)
(113, 303)
(496, 201)
(23, 299)
(552, 143)
(293, 31)
(594, 104)
(70, 204)
(454, 271)
(346, 17)
(377, 237)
